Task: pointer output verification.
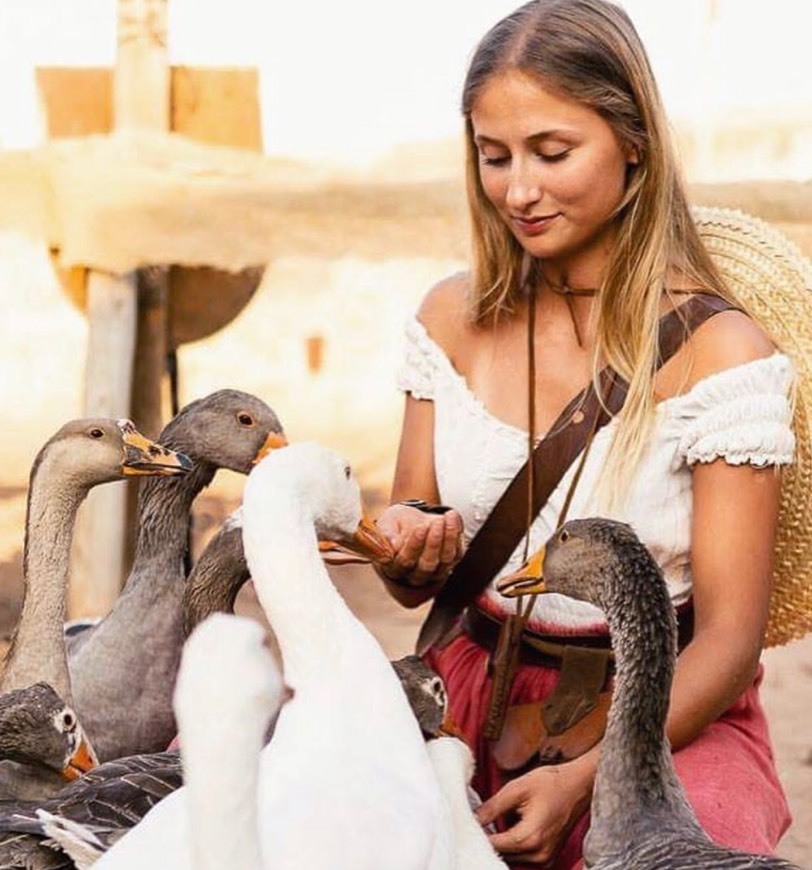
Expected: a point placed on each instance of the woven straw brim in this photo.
(768, 273)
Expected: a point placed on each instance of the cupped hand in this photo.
(427, 546)
(543, 804)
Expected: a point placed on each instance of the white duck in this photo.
(346, 781)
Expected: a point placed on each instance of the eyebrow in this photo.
(531, 140)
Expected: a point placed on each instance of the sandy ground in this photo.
(356, 304)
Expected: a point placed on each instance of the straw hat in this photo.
(768, 273)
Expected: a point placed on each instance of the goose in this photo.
(38, 727)
(641, 817)
(229, 688)
(123, 669)
(346, 750)
(453, 764)
(91, 814)
(98, 809)
(81, 454)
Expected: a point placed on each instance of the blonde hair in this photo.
(589, 51)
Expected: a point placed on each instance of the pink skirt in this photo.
(728, 771)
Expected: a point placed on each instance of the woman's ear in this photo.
(632, 155)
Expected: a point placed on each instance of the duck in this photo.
(640, 815)
(123, 669)
(453, 764)
(82, 454)
(346, 749)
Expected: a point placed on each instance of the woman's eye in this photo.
(490, 160)
(555, 158)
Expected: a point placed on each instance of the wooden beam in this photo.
(99, 541)
(104, 536)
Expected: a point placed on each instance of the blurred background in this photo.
(279, 184)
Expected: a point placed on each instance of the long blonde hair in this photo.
(589, 51)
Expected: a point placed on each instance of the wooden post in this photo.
(99, 541)
(141, 95)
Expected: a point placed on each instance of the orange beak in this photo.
(274, 441)
(528, 580)
(82, 760)
(143, 456)
(367, 544)
(449, 728)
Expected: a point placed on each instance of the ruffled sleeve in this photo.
(417, 372)
(742, 415)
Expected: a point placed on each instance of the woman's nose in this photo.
(524, 189)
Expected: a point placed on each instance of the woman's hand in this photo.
(543, 806)
(427, 546)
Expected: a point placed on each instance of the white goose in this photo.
(229, 674)
(346, 781)
(454, 766)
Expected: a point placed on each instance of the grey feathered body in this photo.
(123, 669)
(641, 818)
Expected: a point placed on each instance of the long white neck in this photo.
(310, 619)
(37, 650)
(222, 792)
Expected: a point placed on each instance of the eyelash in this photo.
(546, 158)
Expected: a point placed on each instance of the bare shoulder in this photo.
(444, 310)
(726, 340)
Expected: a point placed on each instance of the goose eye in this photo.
(245, 419)
(437, 689)
(347, 472)
(564, 536)
(95, 432)
(68, 720)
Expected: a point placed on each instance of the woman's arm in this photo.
(427, 546)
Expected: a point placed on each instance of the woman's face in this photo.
(553, 169)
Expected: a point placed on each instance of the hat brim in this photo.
(769, 274)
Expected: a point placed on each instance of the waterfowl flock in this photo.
(328, 756)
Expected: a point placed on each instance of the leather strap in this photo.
(507, 523)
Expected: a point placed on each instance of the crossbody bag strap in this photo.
(507, 523)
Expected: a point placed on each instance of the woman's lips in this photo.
(533, 226)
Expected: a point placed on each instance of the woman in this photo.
(582, 243)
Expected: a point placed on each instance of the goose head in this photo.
(426, 692)
(38, 727)
(99, 450)
(226, 429)
(593, 560)
(322, 484)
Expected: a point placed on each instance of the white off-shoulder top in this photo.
(741, 415)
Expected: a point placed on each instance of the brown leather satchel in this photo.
(573, 717)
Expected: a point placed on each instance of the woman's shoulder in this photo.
(444, 310)
(725, 341)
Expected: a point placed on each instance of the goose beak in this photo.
(367, 544)
(82, 760)
(449, 728)
(142, 456)
(274, 441)
(528, 580)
